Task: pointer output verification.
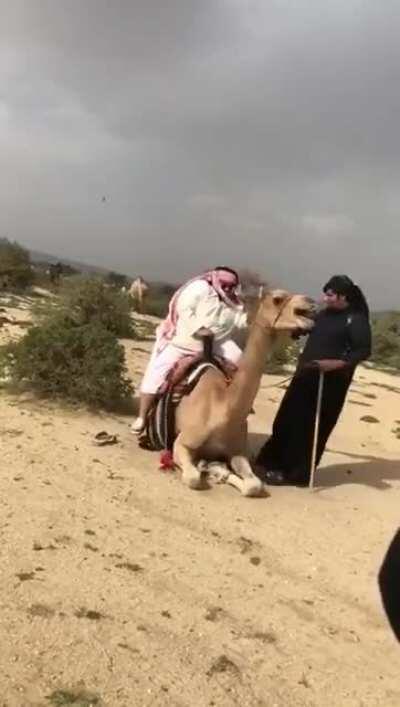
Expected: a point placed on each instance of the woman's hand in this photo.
(326, 365)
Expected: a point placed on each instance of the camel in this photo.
(138, 291)
(211, 421)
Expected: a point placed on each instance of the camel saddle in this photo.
(160, 430)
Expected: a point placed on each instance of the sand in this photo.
(119, 581)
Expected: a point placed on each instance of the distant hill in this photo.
(38, 257)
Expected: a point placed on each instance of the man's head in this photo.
(226, 283)
(228, 279)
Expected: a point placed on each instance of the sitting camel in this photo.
(211, 421)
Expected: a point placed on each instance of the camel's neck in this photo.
(246, 382)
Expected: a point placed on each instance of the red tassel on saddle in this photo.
(167, 460)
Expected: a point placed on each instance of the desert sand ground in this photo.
(119, 581)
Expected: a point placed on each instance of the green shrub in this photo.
(73, 698)
(92, 300)
(156, 306)
(81, 362)
(15, 265)
(158, 298)
(284, 354)
(386, 339)
(116, 279)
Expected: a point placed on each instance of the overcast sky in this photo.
(257, 133)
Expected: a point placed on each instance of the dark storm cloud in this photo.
(258, 133)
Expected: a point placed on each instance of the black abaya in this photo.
(290, 447)
(337, 335)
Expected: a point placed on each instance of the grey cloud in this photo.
(257, 133)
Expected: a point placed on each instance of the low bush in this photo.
(15, 266)
(81, 362)
(89, 300)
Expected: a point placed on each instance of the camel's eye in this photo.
(278, 300)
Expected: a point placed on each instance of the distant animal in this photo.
(138, 291)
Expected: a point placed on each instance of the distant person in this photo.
(208, 301)
(389, 584)
(339, 341)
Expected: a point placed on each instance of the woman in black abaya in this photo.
(339, 341)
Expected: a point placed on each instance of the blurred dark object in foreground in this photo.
(389, 584)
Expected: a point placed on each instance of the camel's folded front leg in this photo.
(221, 474)
(183, 456)
(248, 483)
(217, 472)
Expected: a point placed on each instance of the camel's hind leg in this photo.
(191, 476)
(247, 483)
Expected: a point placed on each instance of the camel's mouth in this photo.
(305, 313)
(306, 309)
(305, 317)
(304, 323)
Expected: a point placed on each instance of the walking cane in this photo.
(316, 428)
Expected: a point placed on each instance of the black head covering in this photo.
(343, 285)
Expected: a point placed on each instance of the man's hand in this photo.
(330, 364)
(202, 333)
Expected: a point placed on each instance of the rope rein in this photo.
(277, 385)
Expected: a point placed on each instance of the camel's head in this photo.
(281, 311)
